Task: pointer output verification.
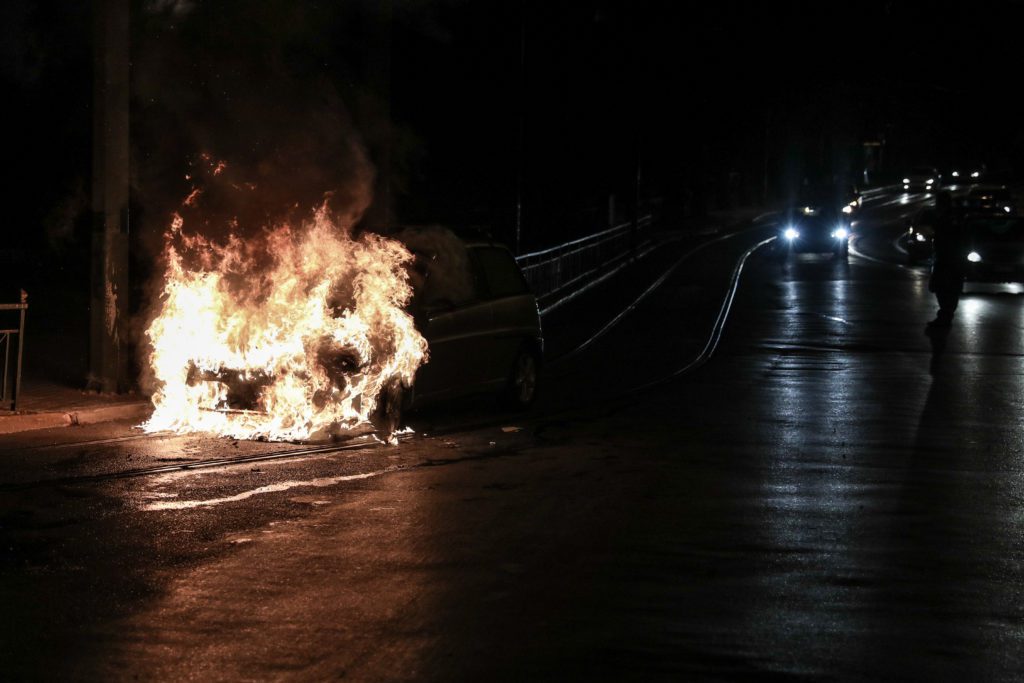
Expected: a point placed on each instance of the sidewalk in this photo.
(45, 404)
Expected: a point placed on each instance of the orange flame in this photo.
(290, 336)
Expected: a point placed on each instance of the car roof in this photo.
(468, 236)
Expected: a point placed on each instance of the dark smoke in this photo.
(261, 87)
(268, 109)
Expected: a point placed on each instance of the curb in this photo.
(48, 420)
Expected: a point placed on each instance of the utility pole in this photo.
(521, 146)
(108, 358)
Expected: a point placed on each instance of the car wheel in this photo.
(521, 391)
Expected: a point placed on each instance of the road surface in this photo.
(832, 494)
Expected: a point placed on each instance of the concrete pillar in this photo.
(108, 358)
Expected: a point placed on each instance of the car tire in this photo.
(523, 381)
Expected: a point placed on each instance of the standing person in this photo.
(947, 280)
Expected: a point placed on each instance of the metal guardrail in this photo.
(559, 272)
(571, 264)
(5, 341)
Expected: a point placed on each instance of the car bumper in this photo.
(815, 246)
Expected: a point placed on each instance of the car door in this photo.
(456, 322)
(513, 310)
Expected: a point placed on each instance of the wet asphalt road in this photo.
(834, 495)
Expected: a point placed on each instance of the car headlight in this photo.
(919, 237)
(848, 208)
(956, 174)
(840, 233)
(906, 180)
(809, 210)
(791, 234)
(929, 181)
(974, 257)
(975, 174)
(1006, 209)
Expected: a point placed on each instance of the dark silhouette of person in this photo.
(950, 249)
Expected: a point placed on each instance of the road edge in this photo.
(25, 422)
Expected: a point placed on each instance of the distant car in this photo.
(989, 200)
(815, 234)
(474, 307)
(919, 237)
(967, 173)
(924, 178)
(996, 252)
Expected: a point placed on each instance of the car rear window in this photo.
(501, 275)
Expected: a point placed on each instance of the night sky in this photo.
(458, 109)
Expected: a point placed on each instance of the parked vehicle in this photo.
(481, 321)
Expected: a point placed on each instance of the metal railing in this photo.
(559, 269)
(5, 342)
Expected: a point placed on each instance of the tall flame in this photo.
(289, 336)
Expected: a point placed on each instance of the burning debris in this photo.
(297, 333)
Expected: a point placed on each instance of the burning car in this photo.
(311, 332)
(291, 334)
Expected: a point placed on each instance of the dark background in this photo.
(491, 114)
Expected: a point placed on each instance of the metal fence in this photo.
(562, 268)
(7, 391)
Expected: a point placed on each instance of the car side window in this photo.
(501, 275)
(450, 282)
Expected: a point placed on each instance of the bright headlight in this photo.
(956, 174)
(919, 237)
(929, 181)
(906, 180)
(840, 233)
(791, 234)
(975, 174)
(1006, 209)
(809, 210)
(974, 257)
(848, 208)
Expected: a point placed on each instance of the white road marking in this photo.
(269, 488)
